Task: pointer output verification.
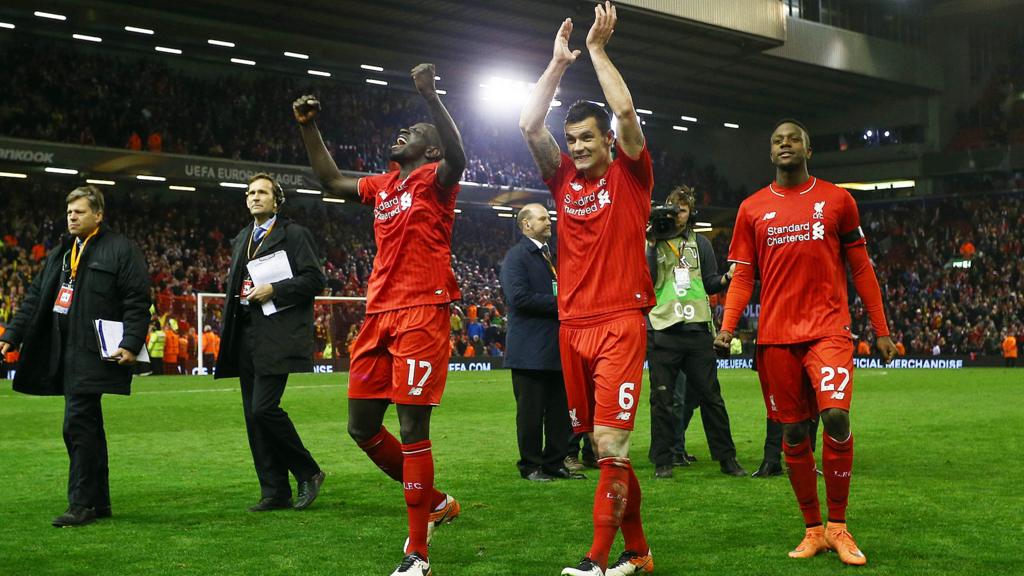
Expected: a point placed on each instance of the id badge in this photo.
(681, 278)
(63, 302)
(243, 297)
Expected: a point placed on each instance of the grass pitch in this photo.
(936, 488)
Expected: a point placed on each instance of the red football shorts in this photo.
(603, 367)
(402, 356)
(800, 380)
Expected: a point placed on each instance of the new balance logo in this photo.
(768, 216)
(819, 210)
(624, 416)
(383, 195)
(576, 186)
(416, 391)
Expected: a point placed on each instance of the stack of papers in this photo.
(267, 270)
(109, 334)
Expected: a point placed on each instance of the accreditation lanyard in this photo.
(551, 265)
(62, 304)
(247, 284)
(554, 273)
(252, 252)
(681, 271)
(76, 253)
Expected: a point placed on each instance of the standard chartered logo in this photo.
(818, 231)
(779, 235)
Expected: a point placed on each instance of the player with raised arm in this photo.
(799, 234)
(605, 286)
(401, 354)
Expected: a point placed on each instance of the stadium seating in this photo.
(247, 116)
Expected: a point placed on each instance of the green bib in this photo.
(678, 302)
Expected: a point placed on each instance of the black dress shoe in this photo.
(309, 490)
(768, 468)
(564, 473)
(75, 516)
(538, 476)
(268, 504)
(680, 460)
(689, 457)
(731, 467)
(590, 462)
(103, 512)
(663, 471)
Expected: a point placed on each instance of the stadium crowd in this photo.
(187, 250)
(162, 109)
(934, 305)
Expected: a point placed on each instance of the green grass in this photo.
(936, 487)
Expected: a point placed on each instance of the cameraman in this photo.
(680, 330)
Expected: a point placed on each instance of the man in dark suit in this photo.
(530, 283)
(93, 274)
(261, 350)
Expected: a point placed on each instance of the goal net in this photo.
(336, 319)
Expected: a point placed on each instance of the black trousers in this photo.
(580, 447)
(542, 420)
(86, 442)
(275, 445)
(689, 352)
(773, 439)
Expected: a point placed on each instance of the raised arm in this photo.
(306, 108)
(450, 170)
(539, 140)
(631, 137)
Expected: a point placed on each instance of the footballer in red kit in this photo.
(604, 284)
(401, 353)
(799, 234)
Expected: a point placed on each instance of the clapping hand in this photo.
(603, 28)
(562, 53)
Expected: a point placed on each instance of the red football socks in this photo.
(632, 526)
(385, 451)
(418, 483)
(837, 462)
(610, 499)
(804, 479)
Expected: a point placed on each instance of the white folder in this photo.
(268, 269)
(109, 334)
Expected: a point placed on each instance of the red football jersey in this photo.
(601, 225)
(793, 237)
(412, 224)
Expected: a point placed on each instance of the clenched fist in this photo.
(306, 108)
(423, 77)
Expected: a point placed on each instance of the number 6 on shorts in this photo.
(626, 399)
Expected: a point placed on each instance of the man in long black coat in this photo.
(529, 281)
(93, 274)
(261, 350)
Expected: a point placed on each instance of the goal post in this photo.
(333, 316)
